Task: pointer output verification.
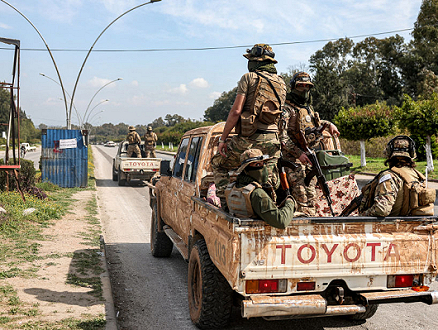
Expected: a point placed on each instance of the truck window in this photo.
(180, 158)
(193, 159)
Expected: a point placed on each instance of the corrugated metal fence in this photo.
(64, 157)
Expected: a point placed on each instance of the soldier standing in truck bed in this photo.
(254, 115)
(150, 141)
(298, 115)
(134, 141)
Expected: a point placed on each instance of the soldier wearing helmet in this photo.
(298, 115)
(395, 191)
(254, 116)
(134, 141)
(247, 198)
(150, 143)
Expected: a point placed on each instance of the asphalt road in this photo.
(151, 293)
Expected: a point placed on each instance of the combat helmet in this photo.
(131, 128)
(402, 146)
(251, 156)
(302, 78)
(260, 52)
(149, 128)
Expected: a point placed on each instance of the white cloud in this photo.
(60, 11)
(119, 7)
(199, 83)
(181, 89)
(214, 95)
(4, 26)
(97, 82)
(134, 83)
(138, 100)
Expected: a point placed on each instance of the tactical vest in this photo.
(416, 198)
(303, 119)
(239, 199)
(132, 138)
(265, 111)
(149, 139)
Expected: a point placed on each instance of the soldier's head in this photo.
(260, 53)
(301, 81)
(149, 128)
(131, 128)
(400, 149)
(252, 163)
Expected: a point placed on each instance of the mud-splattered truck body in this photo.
(316, 266)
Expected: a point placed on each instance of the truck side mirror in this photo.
(165, 168)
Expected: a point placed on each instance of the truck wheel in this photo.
(370, 311)
(115, 175)
(210, 295)
(119, 178)
(161, 245)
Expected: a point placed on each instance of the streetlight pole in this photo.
(85, 121)
(66, 93)
(94, 43)
(53, 60)
(97, 93)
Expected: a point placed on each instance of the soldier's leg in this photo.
(269, 145)
(153, 155)
(305, 196)
(146, 152)
(137, 152)
(222, 165)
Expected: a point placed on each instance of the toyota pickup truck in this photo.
(317, 266)
(126, 168)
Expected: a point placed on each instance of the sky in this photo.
(161, 58)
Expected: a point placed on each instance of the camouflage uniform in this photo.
(134, 141)
(246, 197)
(293, 119)
(150, 139)
(265, 136)
(389, 197)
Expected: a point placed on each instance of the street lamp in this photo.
(85, 121)
(66, 93)
(92, 46)
(91, 119)
(98, 92)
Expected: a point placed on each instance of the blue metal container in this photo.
(64, 157)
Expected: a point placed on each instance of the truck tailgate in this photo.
(149, 164)
(362, 254)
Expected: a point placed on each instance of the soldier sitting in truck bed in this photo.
(246, 196)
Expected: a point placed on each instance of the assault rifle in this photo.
(282, 163)
(354, 204)
(316, 170)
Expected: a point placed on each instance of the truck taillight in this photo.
(305, 286)
(266, 286)
(404, 281)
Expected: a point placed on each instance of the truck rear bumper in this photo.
(316, 305)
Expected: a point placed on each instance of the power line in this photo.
(206, 48)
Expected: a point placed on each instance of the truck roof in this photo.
(214, 129)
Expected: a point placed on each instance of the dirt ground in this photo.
(47, 291)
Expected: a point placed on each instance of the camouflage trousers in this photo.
(267, 143)
(305, 196)
(133, 149)
(150, 153)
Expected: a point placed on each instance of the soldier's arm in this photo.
(384, 196)
(231, 122)
(266, 209)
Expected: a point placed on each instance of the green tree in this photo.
(221, 106)
(421, 119)
(329, 66)
(364, 123)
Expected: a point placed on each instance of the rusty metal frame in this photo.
(14, 115)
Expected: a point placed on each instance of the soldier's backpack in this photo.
(266, 107)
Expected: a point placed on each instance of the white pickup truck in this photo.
(27, 147)
(127, 168)
(317, 266)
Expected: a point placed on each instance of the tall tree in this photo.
(329, 66)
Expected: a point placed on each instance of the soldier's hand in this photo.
(333, 130)
(304, 159)
(222, 148)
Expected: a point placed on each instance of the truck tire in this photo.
(370, 311)
(161, 245)
(115, 175)
(210, 295)
(119, 178)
